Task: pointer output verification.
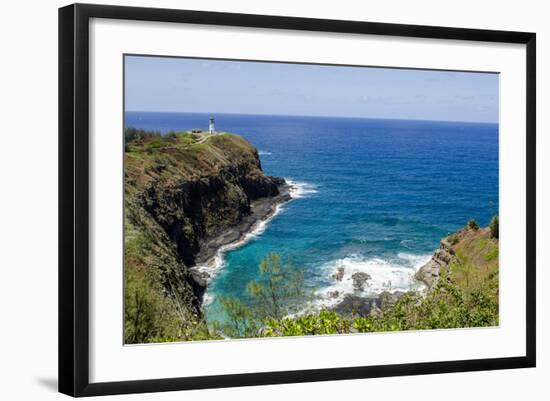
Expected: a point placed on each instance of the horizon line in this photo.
(316, 116)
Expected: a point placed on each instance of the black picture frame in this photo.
(74, 198)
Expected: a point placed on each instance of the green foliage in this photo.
(446, 306)
(472, 225)
(466, 295)
(324, 322)
(274, 295)
(492, 255)
(150, 313)
(241, 322)
(482, 243)
(453, 239)
(494, 227)
(467, 300)
(133, 134)
(183, 138)
(278, 286)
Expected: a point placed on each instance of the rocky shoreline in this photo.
(427, 275)
(442, 258)
(358, 304)
(260, 210)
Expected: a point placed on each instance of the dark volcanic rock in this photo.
(339, 274)
(356, 305)
(359, 280)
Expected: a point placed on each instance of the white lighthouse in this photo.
(211, 125)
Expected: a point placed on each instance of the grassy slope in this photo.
(169, 159)
(477, 264)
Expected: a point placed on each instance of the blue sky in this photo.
(217, 86)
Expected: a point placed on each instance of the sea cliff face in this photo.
(182, 193)
(441, 259)
(473, 250)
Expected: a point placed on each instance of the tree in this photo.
(240, 319)
(133, 134)
(280, 285)
(277, 293)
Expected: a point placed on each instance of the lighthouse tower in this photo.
(211, 125)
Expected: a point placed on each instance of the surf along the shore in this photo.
(340, 288)
(210, 260)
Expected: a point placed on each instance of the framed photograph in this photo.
(250, 199)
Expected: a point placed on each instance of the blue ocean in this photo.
(370, 195)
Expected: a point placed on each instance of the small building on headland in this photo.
(211, 128)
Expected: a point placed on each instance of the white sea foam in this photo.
(385, 276)
(301, 189)
(216, 263)
(207, 298)
(414, 260)
(262, 153)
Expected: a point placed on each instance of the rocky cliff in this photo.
(467, 258)
(441, 259)
(470, 250)
(185, 195)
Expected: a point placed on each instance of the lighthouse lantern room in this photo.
(211, 125)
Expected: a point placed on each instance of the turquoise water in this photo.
(373, 195)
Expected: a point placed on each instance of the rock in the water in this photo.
(339, 274)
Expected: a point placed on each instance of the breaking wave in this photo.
(301, 189)
(385, 275)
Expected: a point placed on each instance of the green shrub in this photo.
(151, 314)
(278, 286)
(453, 239)
(275, 294)
(323, 322)
(446, 306)
(133, 134)
(494, 227)
(240, 319)
(472, 225)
